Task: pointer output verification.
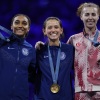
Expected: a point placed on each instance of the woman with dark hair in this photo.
(55, 61)
(16, 57)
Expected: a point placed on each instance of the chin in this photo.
(54, 39)
(91, 27)
(20, 35)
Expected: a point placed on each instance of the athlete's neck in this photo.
(90, 31)
(54, 43)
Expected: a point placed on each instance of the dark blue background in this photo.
(39, 10)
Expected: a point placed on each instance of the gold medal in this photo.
(55, 88)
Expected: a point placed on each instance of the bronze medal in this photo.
(99, 48)
(98, 62)
(55, 88)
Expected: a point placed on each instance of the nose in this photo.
(90, 16)
(53, 29)
(20, 25)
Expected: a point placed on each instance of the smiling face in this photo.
(89, 16)
(20, 26)
(53, 30)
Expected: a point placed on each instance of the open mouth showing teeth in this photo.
(53, 34)
(20, 30)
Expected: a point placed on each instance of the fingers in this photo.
(37, 45)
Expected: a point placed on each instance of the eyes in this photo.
(17, 22)
(88, 14)
(55, 27)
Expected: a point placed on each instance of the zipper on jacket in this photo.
(18, 56)
(18, 53)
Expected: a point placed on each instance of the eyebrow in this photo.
(19, 20)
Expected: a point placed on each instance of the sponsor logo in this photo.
(10, 48)
(45, 56)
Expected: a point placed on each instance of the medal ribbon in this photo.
(54, 73)
(94, 41)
